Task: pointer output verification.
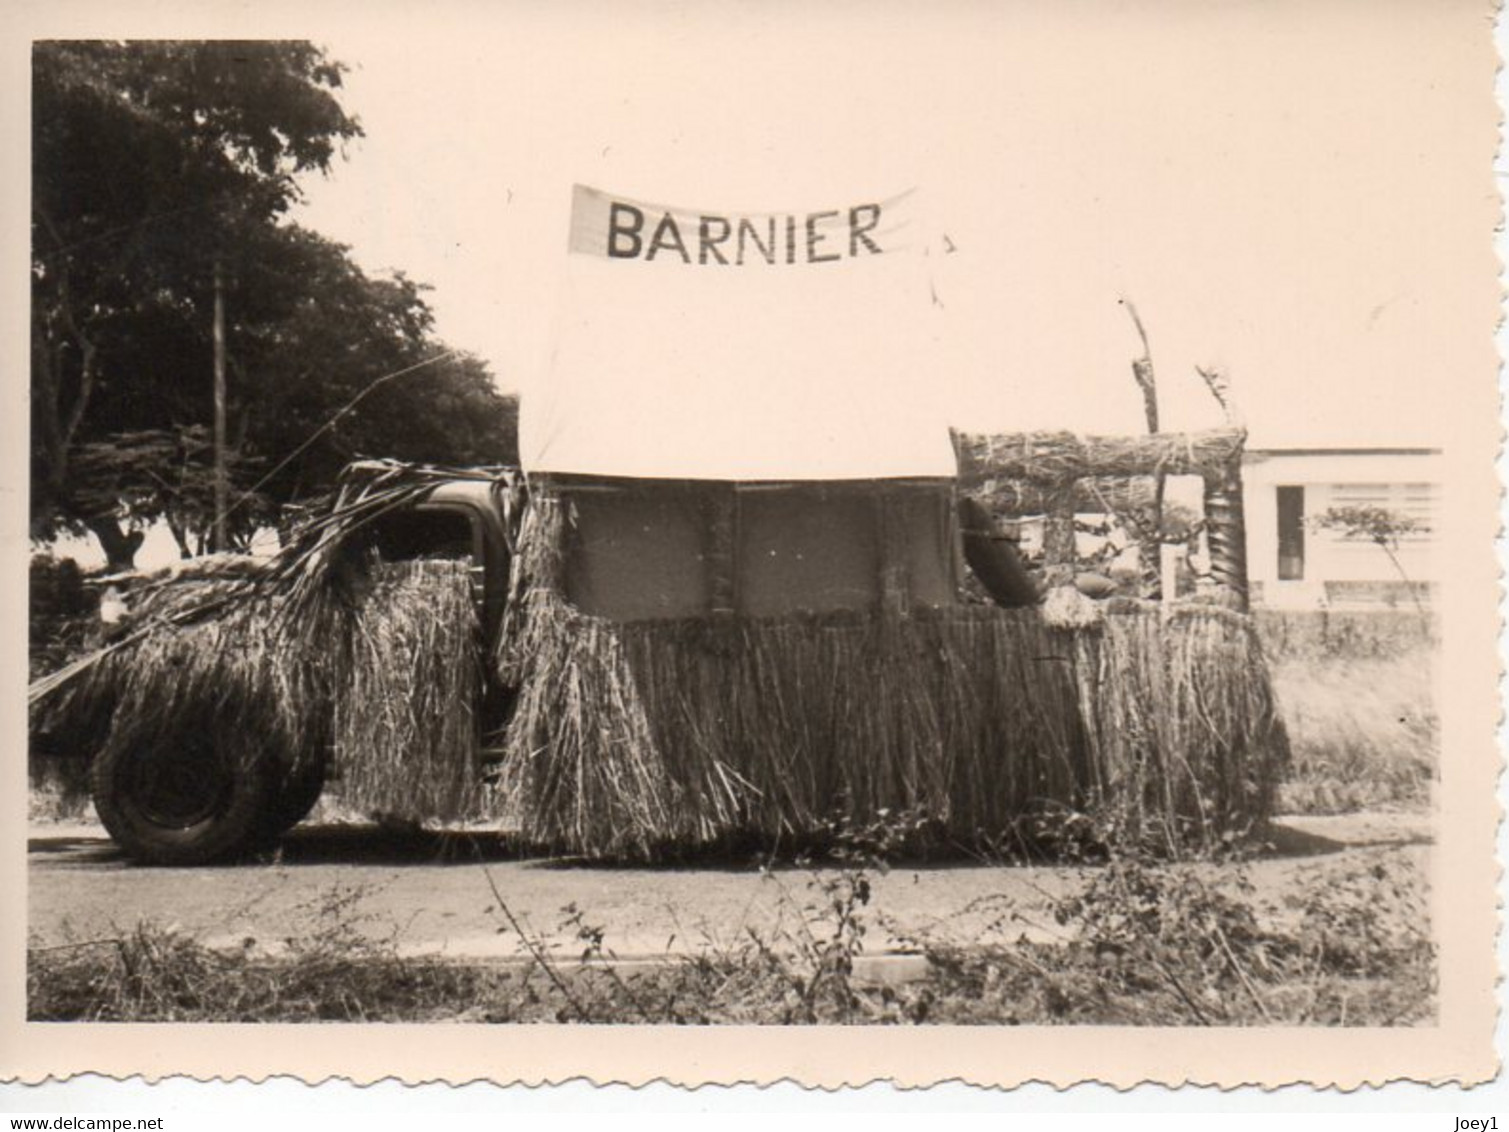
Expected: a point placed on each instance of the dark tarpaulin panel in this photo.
(801, 551)
(647, 549)
(926, 524)
(635, 553)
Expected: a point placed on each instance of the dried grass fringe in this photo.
(405, 703)
(633, 739)
(383, 670)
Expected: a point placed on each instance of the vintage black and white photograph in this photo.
(762, 515)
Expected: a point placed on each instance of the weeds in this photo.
(59, 793)
(1140, 942)
(155, 974)
(799, 971)
(1158, 944)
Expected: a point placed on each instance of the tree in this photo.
(166, 474)
(150, 160)
(1383, 528)
(314, 333)
(154, 164)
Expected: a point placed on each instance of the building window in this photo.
(1291, 534)
(1412, 501)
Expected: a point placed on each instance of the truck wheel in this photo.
(178, 804)
(289, 800)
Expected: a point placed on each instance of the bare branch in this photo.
(1219, 385)
(1142, 371)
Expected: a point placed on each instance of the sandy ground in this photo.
(435, 892)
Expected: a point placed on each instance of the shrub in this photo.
(62, 613)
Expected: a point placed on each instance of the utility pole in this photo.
(222, 485)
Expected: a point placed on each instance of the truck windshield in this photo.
(409, 533)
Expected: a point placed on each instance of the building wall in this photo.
(1336, 570)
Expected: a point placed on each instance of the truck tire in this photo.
(993, 560)
(289, 800)
(184, 803)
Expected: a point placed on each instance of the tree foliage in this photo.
(1384, 528)
(154, 163)
(1378, 525)
(165, 474)
(327, 332)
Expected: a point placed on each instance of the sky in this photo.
(1300, 194)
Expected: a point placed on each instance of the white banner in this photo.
(736, 345)
(618, 228)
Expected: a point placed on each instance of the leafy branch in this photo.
(1380, 526)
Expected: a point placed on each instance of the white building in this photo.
(1292, 562)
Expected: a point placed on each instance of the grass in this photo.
(404, 699)
(59, 793)
(1363, 731)
(1140, 942)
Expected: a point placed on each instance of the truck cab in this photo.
(459, 519)
(470, 520)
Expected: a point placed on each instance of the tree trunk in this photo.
(120, 548)
(180, 536)
(222, 481)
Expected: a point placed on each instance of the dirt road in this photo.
(440, 893)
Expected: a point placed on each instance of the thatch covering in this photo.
(630, 738)
(1059, 457)
(1059, 474)
(1093, 495)
(321, 652)
(384, 675)
(214, 663)
(405, 700)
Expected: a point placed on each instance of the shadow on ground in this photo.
(1316, 836)
(379, 844)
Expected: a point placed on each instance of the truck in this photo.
(666, 663)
